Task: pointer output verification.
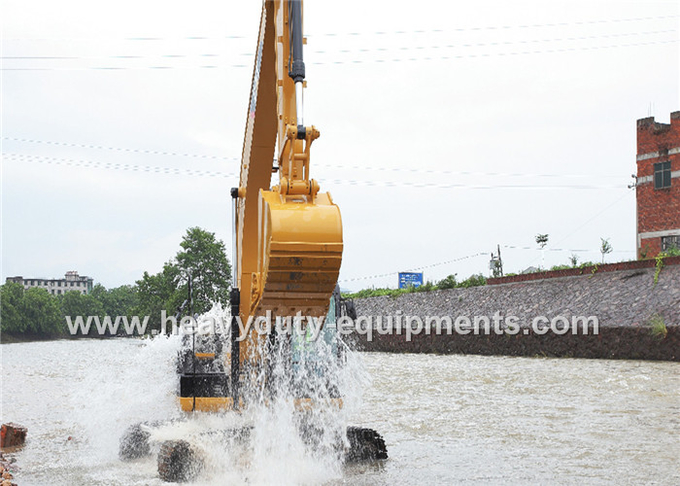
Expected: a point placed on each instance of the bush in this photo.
(476, 280)
(426, 287)
(560, 267)
(373, 292)
(448, 282)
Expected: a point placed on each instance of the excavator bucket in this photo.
(301, 254)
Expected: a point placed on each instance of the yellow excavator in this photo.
(287, 254)
(288, 238)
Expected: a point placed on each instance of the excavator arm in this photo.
(288, 237)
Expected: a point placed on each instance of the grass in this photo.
(659, 329)
(447, 283)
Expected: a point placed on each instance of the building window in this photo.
(662, 175)
(668, 242)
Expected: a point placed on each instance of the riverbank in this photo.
(10, 337)
(637, 312)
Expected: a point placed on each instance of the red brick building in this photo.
(658, 185)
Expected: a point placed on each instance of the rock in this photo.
(12, 435)
(5, 473)
(134, 443)
(365, 445)
(178, 462)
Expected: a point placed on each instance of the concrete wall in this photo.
(625, 303)
(589, 270)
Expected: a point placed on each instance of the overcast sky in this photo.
(447, 128)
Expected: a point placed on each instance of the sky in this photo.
(447, 128)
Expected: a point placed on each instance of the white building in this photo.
(57, 286)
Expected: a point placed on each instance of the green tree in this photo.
(11, 297)
(475, 280)
(204, 259)
(119, 301)
(542, 240)
(605, 247)
(75, 304)
(448, 282)
(160, 292)
(41, 312)
(573, 259)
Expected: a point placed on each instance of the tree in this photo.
(203, 258)
(573, 259)
(157, 293)
(474, 280)
(605, 247)
(448, 282)
(11, 297)
(119, 301)
(542, 240)
(76, 304)
(41, 312)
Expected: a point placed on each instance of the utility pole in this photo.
(496, 264)
(500, 260)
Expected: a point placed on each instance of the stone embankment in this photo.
(637, 318)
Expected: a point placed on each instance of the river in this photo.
(445, 419)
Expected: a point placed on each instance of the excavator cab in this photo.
(311, 358)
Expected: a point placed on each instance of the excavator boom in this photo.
(288, 236)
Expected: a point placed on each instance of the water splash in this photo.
(283, 446)
(136, 386)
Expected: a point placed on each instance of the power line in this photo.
(357, 61)
(356, 34)
(501, 27)
(417, 170)
(596, 215)
(555, 249)
(496, 54)
(429, 185)
(491, 44)
(117, 166)
(371, 277)
(410, 170)
(204, 173)
(320, 165)
(313, 51)
(118, 149)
